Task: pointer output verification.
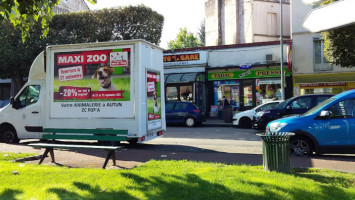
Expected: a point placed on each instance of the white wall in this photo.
(211, 22)
(245, 55)
(302, 43)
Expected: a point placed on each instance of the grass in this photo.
(172, 180)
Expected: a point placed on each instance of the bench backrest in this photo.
(85, 134)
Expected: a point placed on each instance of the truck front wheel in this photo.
(9, 135)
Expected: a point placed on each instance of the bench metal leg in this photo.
(46, 153)
(110, 153)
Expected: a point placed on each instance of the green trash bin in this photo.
(276, 151)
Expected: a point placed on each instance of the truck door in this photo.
(27, 112)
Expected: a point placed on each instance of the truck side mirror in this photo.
(15, 104)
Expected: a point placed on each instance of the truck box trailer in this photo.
(109, 85)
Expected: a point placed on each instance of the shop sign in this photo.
(322, 84)
(246, 74)
(184, 59)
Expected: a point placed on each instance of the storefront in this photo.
(333, 83)
(245, 89)
(185, 77)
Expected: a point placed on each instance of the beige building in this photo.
(312, 74)
(245, 21)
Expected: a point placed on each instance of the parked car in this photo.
(3, 103)
(329, 127)
(244, 119)
(293, 106)
(178, 112)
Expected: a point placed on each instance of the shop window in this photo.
(171, 93)
(186, 93)
(268, 90)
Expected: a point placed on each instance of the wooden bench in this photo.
(81, 134)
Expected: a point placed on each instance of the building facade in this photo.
(245, 74)
(240, 21)
(311, 72)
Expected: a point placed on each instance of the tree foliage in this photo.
(133, 22)
(202, 33)
(339, 45)
(26, 13)
(184, 40)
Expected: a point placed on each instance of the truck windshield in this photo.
(317, 107)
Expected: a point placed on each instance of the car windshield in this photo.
(317, 107)
(283, 104)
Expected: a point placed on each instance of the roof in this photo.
(257, 44)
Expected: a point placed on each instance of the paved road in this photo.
(210, 144)
(218, 139)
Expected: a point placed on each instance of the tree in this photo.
(201, 34)
(133, 22)
(25, 13)
(183, 40)
(339, 45)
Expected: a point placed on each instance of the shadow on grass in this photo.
(307, 173)
(92, 193)
(10, 194)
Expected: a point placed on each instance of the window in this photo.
(29, 95)
(302, 103)
(320, 63)
(181, 106)
(169, 106)
(271, 24)
(343, 109)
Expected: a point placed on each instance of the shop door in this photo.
(247, 97)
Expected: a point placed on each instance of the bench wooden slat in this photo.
(70, 146)
(85, 137)
(86, 131)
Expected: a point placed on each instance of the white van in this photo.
(110, 85)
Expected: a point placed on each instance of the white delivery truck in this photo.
(110, 85)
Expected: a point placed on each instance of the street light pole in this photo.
(282, 54)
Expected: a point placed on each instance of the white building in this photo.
(245, 21)
(311, 72)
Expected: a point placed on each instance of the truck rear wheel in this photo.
(9, 135)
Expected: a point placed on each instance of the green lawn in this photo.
(171, 180)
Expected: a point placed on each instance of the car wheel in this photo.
(301, 146)
(9, 135)
(190, 122)
(245, 122)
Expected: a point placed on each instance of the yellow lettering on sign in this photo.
(222, 75)
(268, 73)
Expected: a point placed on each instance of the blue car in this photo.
(329, 127)
(177, 112)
